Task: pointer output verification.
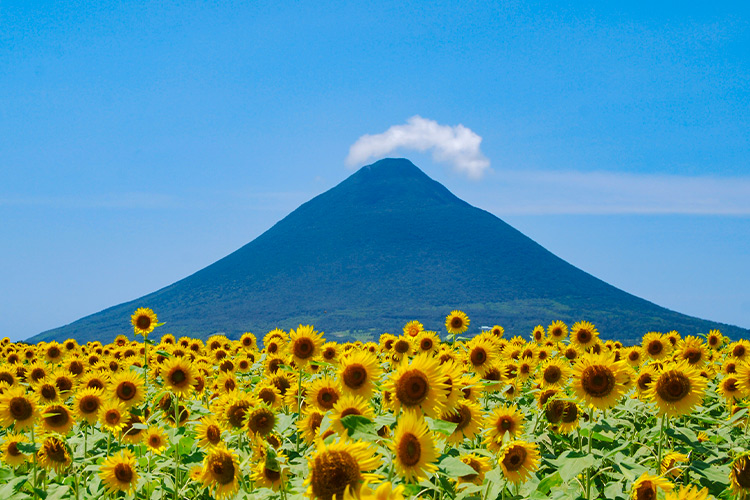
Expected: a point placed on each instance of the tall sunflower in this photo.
(358, 373)
(143, 321)
(414, 450)
(178, 375)
(501, 421)
(480, 355)
(418, 385)
(11, 455)
(54, 454)
(87, 404)
(349, 404)
(340, 465)
(305, 344)
(468, 419)
(584, 335)
(221, 472)
(677, 389)
(119, 473)
(557, 330)
(519, 460)
(656, 346)
(127, 387)
(456, 322)
(413, 328)
(323, 393)
(113, 416)
(598, 380)
(19, 408)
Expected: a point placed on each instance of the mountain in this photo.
(386, 246)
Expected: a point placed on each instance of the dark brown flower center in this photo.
(126, 390)
(584, 336)
(514, 458)
(261, 421)
(457, 322)
(332, 472)
(236, 413)
(552, 374)
(123, 473)
(401, 346)
(55, 450)
(222, 468)
(478, 356)
(598, 380)
(143, 322)
(570, 412)
(178, 376)
(53, 352)
(327, 397)
(693, 355)
(57, 416)
(644, 381)
(655, 347)
(303, 348)
(741, 471)
(20, 408)
(673, 386)
(213, 434)
(64, 384)
(412, 388)
(645, 491)
(354, 376)
(13, 449)
(48, 391)
(409, 450)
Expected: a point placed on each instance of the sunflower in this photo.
(226, 382)
(309, 424)
(231, 409)
(270, 474)
(143, 321)
(743, 377)
(54, 454)
(633, 355)
(11, 455)
(471, 386)
(502, 420)
(19, 408)
(221, 472)
(126, 387)
(330, 352)
(584, 335)
(87, 404)
(358, 373)
(268, 394)
(480, 355)
(305, 344)
(349, 404)
(481, 466)
(688, 493)
(248, 341)
(402, 349)
(677, 389)
(178, 375)
(647, 486)
(714, 339)
(413, 328)
(538, 334)
(670, 464)
(468, 419)
(155, 439)
(730, 389)
(273, 362)
(739, 350)
(452, 373)
(456, 322)
(46, 390)
(656, 346)
(519, 460)
(63, 380)
(57, 418)
(112, 416)
(571, 353)
(739, 475)
(570, 418)
(385, 491)
(8, 374)
(37, 371)
(260, 420)
(598, 380)
(340, 465)
(52, 352)
(418, 385)
(692, 350)
(554, 373)
(414, 450)
(208, 432)
(557, 331)
(119, 473)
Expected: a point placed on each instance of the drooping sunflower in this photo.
(468, 419)
(599, 381)
(414, 450)
(677, 389)
(452, 373)
(349, 404)
(19, 408)
(260, 420)
(418, 385)
(208, 432)
(113, 416)
(479, 463)
(519, 460)
(583, 335)
(557, 331)
(143, 321)
(11, 455)
(221, 472)
(358, 373)
(119, 472)
(126, 386)
(739, 475)
(155, 439)
(340, 465)
(57, 418)
(178, 375)
(456, 322)
(647, 486)
(670, 464)
(54, 454)
(305, 344)
(502, 420)
(554, 373)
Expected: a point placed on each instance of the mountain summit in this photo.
(386, 246)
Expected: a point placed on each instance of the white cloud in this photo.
(571, 192)
(457, 145)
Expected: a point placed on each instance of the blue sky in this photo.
(140, 143)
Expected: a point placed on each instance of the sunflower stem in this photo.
(591, 439)
(661, 444)
(33, 442)
(299, 401)
(176, 403)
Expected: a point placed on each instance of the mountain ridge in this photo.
(387, 245)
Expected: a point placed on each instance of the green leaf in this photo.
(27, 447)
(453, 467)
(441, 426)
(546, 484)
(360, 427)
(13, 486)
(571, 464)
(162, 352)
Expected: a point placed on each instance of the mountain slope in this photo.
(385, 246)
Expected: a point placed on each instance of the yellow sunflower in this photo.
(358, 373)
(57, 418)
(54, 454)
(519, 460)
(599, 381)
(208, 432)
(670, 464)
(385, 491)
(452, 373)
(688, 493)
(305, 344)
(126, 387)
(743, 377)
(155, 439)
(87, 404)
(221, 472)
(46, 390)
(19, 408)
(119, 473)
(729, 388)
(647, 486)
(557, 331)
(143, 321)
(456, 322)
(113, 416)
(418, 385)
(583, 335)
(739, 475)
(692, 350)
(480, 355)
(323, 393)
(502, 420)
(481, 466)
(427, 341)
(260, 420)
(269, 394)
(468, 419)
(309, 424)
(677, 389)
(656, 346)
(349, 404)
(413, 328)
(340, 465)
(270, 474)
(714, 339)
(231, 409)
(633, 355)
(554, 373)
(11, 455)
(414, 450)
(178, 375)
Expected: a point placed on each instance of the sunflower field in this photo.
(559, 414)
